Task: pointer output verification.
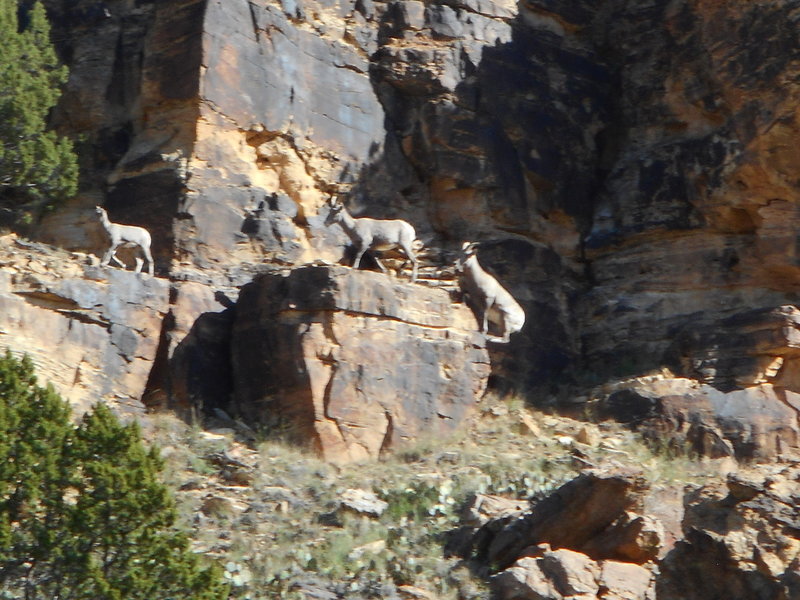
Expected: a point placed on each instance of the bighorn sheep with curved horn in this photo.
(374, 234)
(492, 301)
(125, 236)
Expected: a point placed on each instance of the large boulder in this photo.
(355, 361)
(599, 513)
(562, 574)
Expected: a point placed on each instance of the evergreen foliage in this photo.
(83, 515)
(35, 164)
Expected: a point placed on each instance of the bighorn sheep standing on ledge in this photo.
(374, 234)
(125, 236)
(491, 300)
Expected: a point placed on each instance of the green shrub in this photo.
(83, 514)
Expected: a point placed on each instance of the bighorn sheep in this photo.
(125, 236)
(490, 300)
(374, 234)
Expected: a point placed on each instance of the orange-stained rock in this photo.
(597, 513)
(354, 361)
(565, 574)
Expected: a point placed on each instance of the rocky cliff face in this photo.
(353, 361)
(90, 331)
(627, 166)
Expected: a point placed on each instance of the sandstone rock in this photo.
(755, 422)
(589, 514)
(633, 538)
(528, 424)
(195, 372)
(561, 574)
(624, 581)
(588, 436)
(741, 540)
(231, 470)
(415, 593)
(747, 349)
(371, 548)
(220, 506)
(572, 573)
(354, 361)
(524, 580)
(94, 337)
(364, 502)
(632, 164)
(483, 508)
(702, 197)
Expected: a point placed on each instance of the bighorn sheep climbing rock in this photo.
(125, 236)
(374, 234)
(491, 300)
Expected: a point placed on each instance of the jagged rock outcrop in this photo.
(738, 539)
(353, 361)
(588, 539)
(759, 422)
(92, 332)
(597, 514)
(741, 540)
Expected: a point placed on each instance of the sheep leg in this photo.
(410, 254)
(506, 335)
(487, 305)
(379, 263)
(149, 258)
(116, 259)
(357, 261)
(111, 254)
(106, 258)
(139, 263)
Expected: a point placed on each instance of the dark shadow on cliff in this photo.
(197, 379)
(502, 159)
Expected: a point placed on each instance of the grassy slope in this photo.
(270, 512)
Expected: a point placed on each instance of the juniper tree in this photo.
(35, 164)
(83, 514)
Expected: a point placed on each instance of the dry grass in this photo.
(277, 527)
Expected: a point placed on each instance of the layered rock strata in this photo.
(92, 332)
(628, 166)
(355, 362)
